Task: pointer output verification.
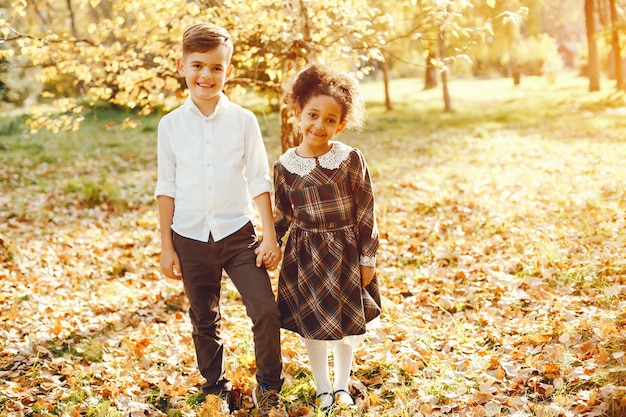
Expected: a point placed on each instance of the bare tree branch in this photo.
(15, 35)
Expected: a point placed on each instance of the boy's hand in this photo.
(170, 264)
(268, 254)
(367, 275)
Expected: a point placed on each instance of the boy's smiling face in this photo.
(205, 74)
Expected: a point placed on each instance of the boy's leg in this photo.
(255, 288)
(202, 275)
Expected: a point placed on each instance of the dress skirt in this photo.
(322, 298)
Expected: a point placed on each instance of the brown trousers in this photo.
(202, 264)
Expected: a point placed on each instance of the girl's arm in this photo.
(283, 217)
(367, 275)
(367, 228)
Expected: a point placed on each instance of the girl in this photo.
(327, 288)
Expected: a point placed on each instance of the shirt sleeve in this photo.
(281, 201)
(256, 161)
(166, 162)
(366, 225)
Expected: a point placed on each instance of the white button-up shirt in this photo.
(212, 167)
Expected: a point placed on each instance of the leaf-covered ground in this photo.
(503, 265)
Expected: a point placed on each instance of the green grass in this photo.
(503, 248)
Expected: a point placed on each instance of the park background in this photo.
(495, 138)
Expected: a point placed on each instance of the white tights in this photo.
(318, 358)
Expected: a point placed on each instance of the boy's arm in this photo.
(170, 264)
(268, 252)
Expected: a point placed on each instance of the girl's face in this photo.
(205, 74)
(320, 121)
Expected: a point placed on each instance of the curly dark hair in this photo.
(318, 80)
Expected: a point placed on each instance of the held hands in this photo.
(268, 253)
(170, 264)
(367, 275)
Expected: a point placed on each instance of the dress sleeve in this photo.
(283, 206)
(362, 190)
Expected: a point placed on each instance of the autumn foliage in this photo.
(502, 264)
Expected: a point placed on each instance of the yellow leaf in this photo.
(211, 407)
(602, 357)
(94, 3)
(411, 368)
(491, 3)
(552, 369)
(483, 397)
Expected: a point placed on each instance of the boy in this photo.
(212, 167)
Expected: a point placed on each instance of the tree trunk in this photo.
(72, 19)
(385, 67)
(289, 134)
(517, 76)
(593, 66)
(617, 53)
(444, 73)
(430, 78)
(516, 70)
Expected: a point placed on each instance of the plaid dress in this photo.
(327, 204)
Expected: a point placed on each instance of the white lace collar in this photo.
(302, 166)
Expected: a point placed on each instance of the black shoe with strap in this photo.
(324, 400)
(343, 397)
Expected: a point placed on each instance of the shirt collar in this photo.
(222, 104)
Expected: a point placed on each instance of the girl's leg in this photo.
(318, 358)
(343, 353)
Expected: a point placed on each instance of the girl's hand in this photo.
(269, 254)
(367, 275)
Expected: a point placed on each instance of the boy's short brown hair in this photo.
(203, 37)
